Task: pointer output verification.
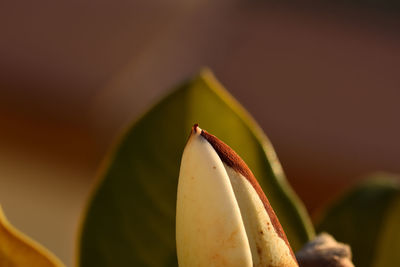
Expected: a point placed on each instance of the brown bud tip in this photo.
(195, 128)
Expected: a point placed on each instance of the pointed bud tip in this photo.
(196, 129)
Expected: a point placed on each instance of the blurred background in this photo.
(322, 79)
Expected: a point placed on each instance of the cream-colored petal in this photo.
(209, 227)
(267, 247)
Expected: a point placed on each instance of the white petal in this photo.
(209, 225)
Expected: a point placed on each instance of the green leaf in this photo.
(368, 218)
(131, 218)
(17, 250)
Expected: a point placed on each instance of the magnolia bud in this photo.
(223, 217)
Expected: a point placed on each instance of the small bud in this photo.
(324, 251)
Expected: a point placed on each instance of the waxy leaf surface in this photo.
(368, 219)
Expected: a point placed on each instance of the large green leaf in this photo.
(368, 218)
(131, 217)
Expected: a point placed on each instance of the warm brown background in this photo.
(323, 82)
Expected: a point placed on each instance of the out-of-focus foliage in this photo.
(391, 6)
(368, 219)
(17, 250)
(131, 218)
